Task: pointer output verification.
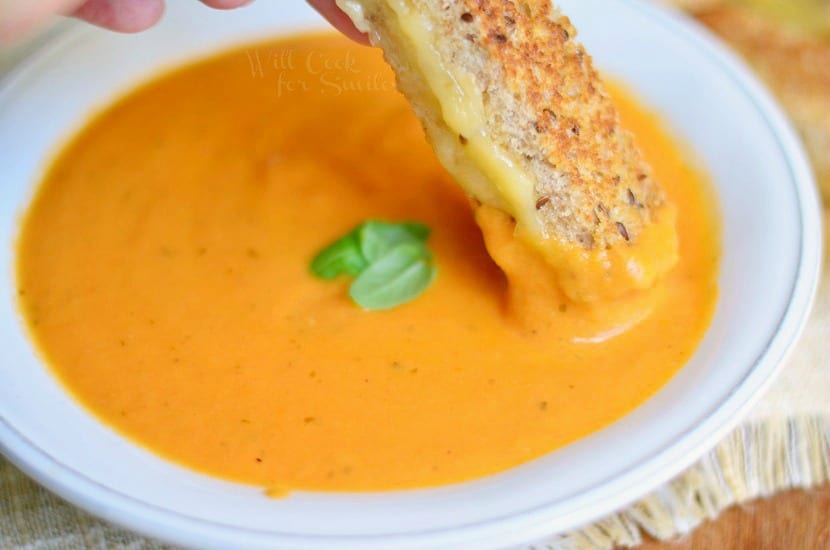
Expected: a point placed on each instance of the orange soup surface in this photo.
(163, 272)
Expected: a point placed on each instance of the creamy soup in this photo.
(163, 272)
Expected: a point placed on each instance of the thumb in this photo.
(339, 20)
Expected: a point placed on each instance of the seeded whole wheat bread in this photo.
(544, 106)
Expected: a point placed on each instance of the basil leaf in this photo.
(343, 256)
(399, 276)
(378, 238)
(390, 260)
(417, 230)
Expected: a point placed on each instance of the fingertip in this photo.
(359, 37)
(125, 16)
(226, 4)
(340, 21)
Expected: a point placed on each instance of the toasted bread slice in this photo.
(517, 113)
(794, 61)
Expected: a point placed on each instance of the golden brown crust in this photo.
(545, 107)
(796, 66)
(594, 186)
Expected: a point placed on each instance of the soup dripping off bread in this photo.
(517, 113)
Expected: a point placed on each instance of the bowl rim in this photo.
(668, 460)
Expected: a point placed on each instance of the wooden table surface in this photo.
(797, 520)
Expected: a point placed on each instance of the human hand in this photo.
(339, 20)
(19, 16)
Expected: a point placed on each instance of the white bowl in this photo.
(771, 252)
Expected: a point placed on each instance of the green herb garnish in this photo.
(391, 263)
(342, 257)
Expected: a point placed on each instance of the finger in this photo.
(122, 15)
(225, 4)
(339, 20)
(17, 18)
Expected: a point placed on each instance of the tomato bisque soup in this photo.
(163, 272)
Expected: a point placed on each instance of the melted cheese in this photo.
(495, 178)
(505, 186)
